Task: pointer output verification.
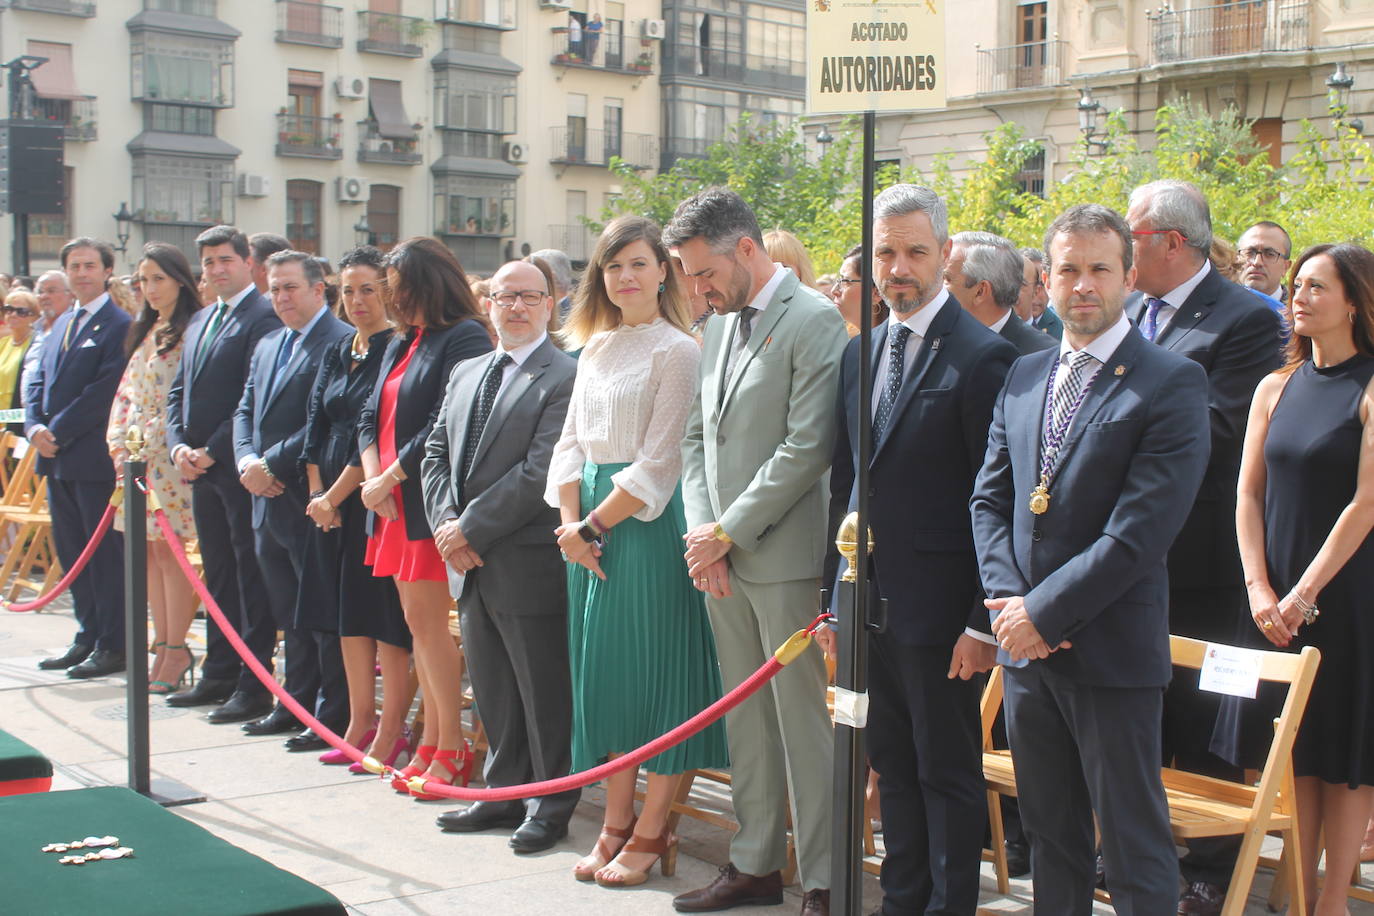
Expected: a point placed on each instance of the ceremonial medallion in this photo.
(1040, 500)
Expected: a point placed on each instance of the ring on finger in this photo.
(1268, 624)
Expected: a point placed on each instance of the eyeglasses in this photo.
(839, 280)
(1158, 232)
(528, 297)
(16, 310)
(1266, 254)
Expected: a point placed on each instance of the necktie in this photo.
(207, 339)
(1066, 391)
(896, 370)
(1150, 326)
(481, 411)
(742, 332)
(73, 328)
(288, 348)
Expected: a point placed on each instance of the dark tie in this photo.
(481, 411)
(208, 337)
(288, 349)
(1066, 392)
(1150, 326)
(896, 369)
(746, 324)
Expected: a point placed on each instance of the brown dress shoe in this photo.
(816, 903)
(733, 888)
(1202, 898)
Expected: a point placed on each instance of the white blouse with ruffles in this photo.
(630, 403)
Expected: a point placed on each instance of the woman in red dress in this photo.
(439, 327)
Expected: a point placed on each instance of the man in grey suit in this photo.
(759, 440)
(985, 274)
(1094, 457)
(484, 469)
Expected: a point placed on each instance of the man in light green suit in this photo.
(758, 446)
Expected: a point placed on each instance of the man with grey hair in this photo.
(985, 273)
(1191, 309)
(263, 245)
(1033, 307)
(561, 266)
(55, 296)
(759, 441)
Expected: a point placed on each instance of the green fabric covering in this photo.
(20, 761)
(178, 867)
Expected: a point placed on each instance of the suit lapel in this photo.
(760, 336)
(1107, 381)
(524, 377)
(1025, 425)
(83, 334)
(1186, 317)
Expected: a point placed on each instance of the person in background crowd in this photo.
(1191, 309)
(847, 294)
(123, 296)
(370, 623)
(985, 274)
(6, 282)
(20, 311)
(208, 296)
(485, 468)
(212, 374)
(261, 246)
(1033, 305)
(154, 347)
(641, 650)
(543, 266)
(826, 283)
(1224, 259)
(759, 442)
(1093, 460)
(54, 297)
(1304, 519)
(67, 404)
(1265, 252)
(786, 249)
(434, 307)
(561, 266)
(592, 37)
(575, 35)
(924, 738)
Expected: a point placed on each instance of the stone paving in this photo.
(376, 851)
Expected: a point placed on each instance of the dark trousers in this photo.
(1081, 749)
(518, 664)
(98, 593)
(223, 512)
(1211, 614)
(924, 739)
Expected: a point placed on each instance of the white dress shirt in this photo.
(1174, 299)
(919, 322)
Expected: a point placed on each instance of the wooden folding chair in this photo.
(33, 550)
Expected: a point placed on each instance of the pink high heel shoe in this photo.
(399, 756)
(334, 756)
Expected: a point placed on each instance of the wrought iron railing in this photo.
(373, 147)
(302, 23)
(1023, 66)
(389, 33)
(1229, 29)
(309, 136)
(77, 116)
(573, 146)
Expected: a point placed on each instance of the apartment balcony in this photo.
(1034, 65)
(302, 23)
(494, 14)
(387, 150)
(597, 147)
(77, 117)
(207, 8)
(574, 241)
(389, 33)
(605, 53)
(308, 137)
(60, 7)
(1229, 29)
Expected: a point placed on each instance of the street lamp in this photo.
(1088, 109)
(123, 220)
(1338, 86)
(362, 232)
(825, 138)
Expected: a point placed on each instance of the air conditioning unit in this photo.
(653, 29)
(555, 4)
(251, 185)
(351, 190)
(350, 87)
(514, 152)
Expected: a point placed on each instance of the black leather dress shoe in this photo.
(536, 835)
(1202, 898)
(101, 663)
(1018, 859)
(306, 741)
(240, 707)
(208, 691)
(277, 722)
(75, 655)
(481, 816)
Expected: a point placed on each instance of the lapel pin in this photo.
(1197, 314)
(1119, 370)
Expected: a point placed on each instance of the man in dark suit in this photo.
(985, 273)
(1190, 309)
(1094, 458)
(269, 438)
(1033, 306)
(485, 465)
(936, 374)
(67, 407)
(219, 343)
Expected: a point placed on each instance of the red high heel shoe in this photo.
(458, 763)
(418, 764)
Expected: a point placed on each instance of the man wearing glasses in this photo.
(1191, 309)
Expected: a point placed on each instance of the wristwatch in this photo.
(588, 533)
(720, 535)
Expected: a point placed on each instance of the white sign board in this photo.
(885, 55)
(1230, 670)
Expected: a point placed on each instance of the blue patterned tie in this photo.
(1150, 326)
(896, 369)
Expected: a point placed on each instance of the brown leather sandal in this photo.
(664, 846)
(587, 867)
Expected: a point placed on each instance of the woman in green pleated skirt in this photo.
(643, 657)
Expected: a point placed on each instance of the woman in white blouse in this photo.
(643, 658)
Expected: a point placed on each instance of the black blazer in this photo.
(1092, 568)
(417, 407)
(1233, 335)
(922, 473)
(200, 409)
(1025, 338)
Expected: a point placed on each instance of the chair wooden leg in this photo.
(1278, 891)
(999, 846)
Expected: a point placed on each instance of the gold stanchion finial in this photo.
(133, 441)
(847, 540)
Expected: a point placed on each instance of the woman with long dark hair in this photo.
(365, 609)
(439, 325)
(154, 348)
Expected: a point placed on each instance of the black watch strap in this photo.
(587, 533)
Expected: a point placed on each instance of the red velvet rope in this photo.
(504, 793)
(106, 521)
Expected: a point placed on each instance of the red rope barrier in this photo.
(106, 521)
(785, 653)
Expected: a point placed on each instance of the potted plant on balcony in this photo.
(643, 63)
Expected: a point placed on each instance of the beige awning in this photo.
(55, 79)
(384, 97)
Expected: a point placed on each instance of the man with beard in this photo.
(1095, 454)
